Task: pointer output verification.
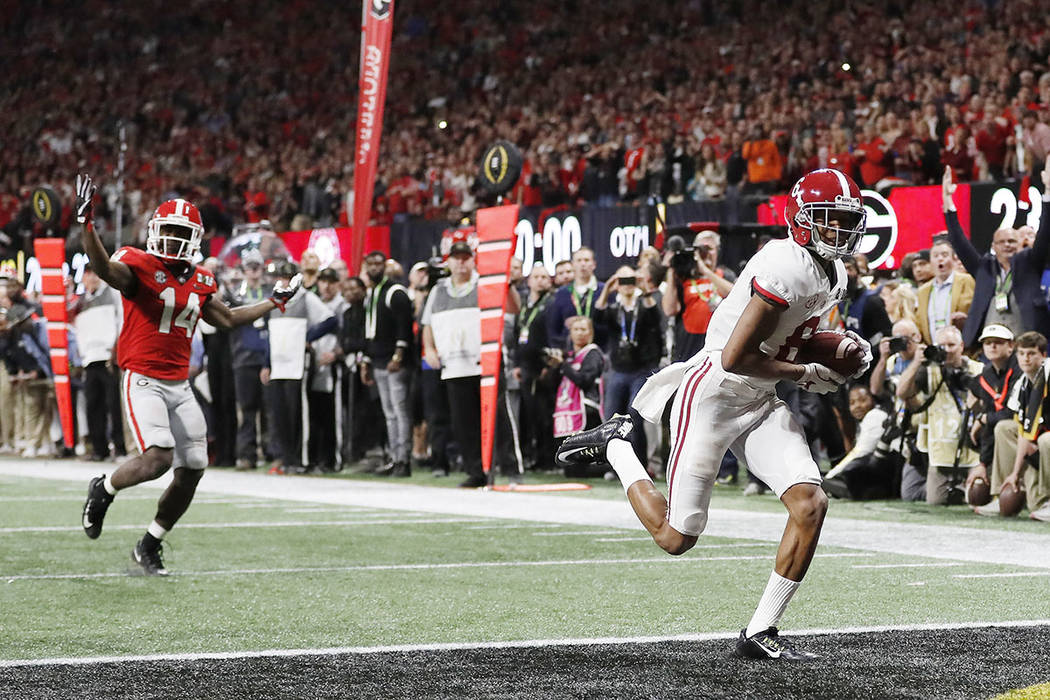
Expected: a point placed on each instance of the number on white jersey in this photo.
(187, 318)
(789, 350)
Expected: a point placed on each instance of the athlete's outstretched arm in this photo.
(115, 273)
(743, 351)
(221, 316)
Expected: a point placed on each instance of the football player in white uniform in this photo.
(725, 399)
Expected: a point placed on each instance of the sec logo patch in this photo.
(160, 277)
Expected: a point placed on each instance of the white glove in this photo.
(282, 293)
(819, 379)
(85, 198)
(867, 353)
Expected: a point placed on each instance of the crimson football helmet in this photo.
(820, 198)
(164, 242)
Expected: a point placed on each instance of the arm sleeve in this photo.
(969, 256)
(1041, 244)
(401, 307)
(329, 325)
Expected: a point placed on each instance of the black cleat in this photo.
(95, 507)
(149, 561)
(478, 481)
(769, 645)
(588, 447)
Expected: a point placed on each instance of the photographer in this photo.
(1022, 446)
(900, 432)
(992, 390)
(634, 345)
(944, 374)
(695, 286)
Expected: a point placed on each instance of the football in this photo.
(834, 350)
(1011, 502)
(979, 493)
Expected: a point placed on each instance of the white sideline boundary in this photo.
(514, 644)
(430, 567)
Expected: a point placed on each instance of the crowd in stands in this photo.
(249, 108)
(381, 373)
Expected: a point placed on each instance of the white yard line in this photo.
(952, 543)
(925, 565)
(408, 520)
(1010, 574)
(511, 644)
(424, 567)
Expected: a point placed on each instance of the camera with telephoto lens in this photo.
(935, 353)
(898, 344)
(682, 261)
(436, 269)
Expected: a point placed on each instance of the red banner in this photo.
(377, 17)
(495, 245)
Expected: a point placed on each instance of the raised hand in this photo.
(85, 199)
(948, 189)
(282, 292)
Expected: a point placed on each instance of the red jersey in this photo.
(160, 317)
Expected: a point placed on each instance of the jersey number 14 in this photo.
(187, 318)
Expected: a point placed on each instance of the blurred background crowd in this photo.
(251, 114)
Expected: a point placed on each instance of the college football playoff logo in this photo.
(380, 9)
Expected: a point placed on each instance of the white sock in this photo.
(624, 462)
(774, 601)
(156, 530)
(107, 484)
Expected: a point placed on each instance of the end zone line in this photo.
(513, 644)
(418, 567)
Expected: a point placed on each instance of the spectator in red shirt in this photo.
(876, 162)
(957, 155)
(993, 139)
(839, 156)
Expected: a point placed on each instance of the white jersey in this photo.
(785, 274)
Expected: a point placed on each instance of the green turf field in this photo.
(299, 565)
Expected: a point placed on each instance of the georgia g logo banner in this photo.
(380, 9)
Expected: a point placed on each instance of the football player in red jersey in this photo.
(164, 295)
(725, 399)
